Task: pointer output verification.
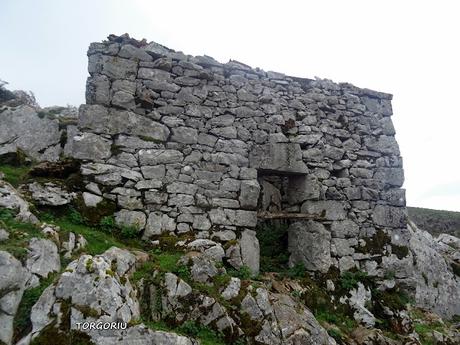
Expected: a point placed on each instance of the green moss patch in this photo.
(376, 243)
(14, 174)
(19, 234)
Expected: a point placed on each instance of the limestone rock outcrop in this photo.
(11, 199)
(437, 283)
(98, 290)
(37, 133)
(13, 282)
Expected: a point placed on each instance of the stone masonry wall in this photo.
(189, 145)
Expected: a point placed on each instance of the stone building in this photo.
(186, 144)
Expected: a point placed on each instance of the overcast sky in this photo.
(407, 48)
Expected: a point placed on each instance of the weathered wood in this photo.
(286, 215)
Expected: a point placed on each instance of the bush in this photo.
(349, 280)
(298, 271)
(243, 273)
(75, 217)
(107, 224)
(129, 231)
(204, 333)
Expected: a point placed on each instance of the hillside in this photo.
(190, 202)
(436, 221)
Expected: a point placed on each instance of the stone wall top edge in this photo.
(157, 50)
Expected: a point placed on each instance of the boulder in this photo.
(309, 243)
(11, 199)
(437, 287)
(12, 284)
(50, 194)
(43, 257)
(250, 251)
(18, 130)
(98, 289)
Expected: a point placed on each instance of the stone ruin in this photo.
(186, 144)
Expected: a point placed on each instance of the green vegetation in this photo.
(163, 262)
(272, 238)
(436, 221)
(98, 241)
(19, 234)
(243, 273)
(107, 223)
(349, 280)
(14, 174)
(74, 216)
(344, 323)
(425, 330)
(129, 231)
(167, 262)
(336, 334)
(376, 243)
(395, 299)
(100, 237)
(206, 335)
(298, 271)
(22, 324)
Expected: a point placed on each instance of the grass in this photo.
(424, 330)
(206, 335)
(98, 242)
(19, 234)
(163, 262)
(99, 238)
(167, 262)
(14, 174)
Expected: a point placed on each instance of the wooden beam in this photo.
(286, 215)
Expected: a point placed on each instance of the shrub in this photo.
(107, 224)
(75, 217)
(349, 280)
(297, 271)
(243, 273)
(129, 231)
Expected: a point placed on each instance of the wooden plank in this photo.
(286, 215)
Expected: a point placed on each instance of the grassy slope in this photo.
(436, 221)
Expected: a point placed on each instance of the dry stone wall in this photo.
(186, 144)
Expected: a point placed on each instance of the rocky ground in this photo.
(59, 268)
(64, 261)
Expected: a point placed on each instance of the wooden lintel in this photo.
(286, 215)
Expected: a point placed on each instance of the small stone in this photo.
(91, 200)
(232, 290)
(4, 235)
